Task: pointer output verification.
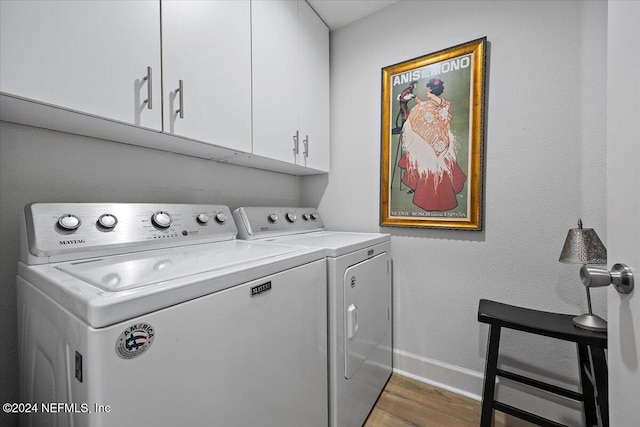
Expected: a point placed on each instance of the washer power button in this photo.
(69, 222)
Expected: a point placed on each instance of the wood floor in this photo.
(407, 402)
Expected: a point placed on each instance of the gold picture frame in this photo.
(432, 148)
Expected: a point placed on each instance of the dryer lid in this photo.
(335, 243)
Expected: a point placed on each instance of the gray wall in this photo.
(47, 166)
(545, 167)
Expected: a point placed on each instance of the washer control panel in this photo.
(263, 222)
(84, 228)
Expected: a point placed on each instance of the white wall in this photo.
(545, 167)
(47, 166)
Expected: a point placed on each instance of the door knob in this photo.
(620, 276)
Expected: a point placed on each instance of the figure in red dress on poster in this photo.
(429, 159)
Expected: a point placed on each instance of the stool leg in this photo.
(584, 361)
(491, 366)
(602, 378)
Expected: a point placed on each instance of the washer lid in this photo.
(335, 243)
(122, 272)
(105, 291)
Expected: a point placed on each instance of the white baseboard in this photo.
(469, 383)
(438, 374)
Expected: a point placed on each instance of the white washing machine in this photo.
(155, 315)
(359, 290)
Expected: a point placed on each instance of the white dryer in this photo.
(359, 291)
(155, 315)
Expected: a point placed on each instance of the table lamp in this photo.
(583, 246)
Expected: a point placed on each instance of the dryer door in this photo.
(367, 298)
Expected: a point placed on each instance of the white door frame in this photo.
(623, 207)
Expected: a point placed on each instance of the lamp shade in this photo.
(583, 246)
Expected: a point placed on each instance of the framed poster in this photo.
(433, 139)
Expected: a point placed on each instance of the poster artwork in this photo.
(431, 142)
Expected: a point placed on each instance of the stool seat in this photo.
(554, 325)
(591, 358)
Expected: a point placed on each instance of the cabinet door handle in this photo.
(306, 146)
(295, 143)
(180, 92)
(147, 78)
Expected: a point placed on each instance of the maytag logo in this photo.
(71, 242)
(260, 289)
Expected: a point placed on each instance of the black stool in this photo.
(591, 357)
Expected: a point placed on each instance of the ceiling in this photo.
(338, 13)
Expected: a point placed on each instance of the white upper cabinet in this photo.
(87, 56)
(206, 45)
(248, 81)
(313, 95)
(275, 79)
(290, 83)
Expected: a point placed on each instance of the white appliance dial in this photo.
(273, 218)
(221, 217)
(314, 216)
(202, 218)
(306, 217)
(107, 221)
(291, 217)
(69, 222)
(161, 219)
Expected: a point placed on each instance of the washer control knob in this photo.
(202, 218)
(273, 217)
(306, 217)
(161, 219)
(107, 221)
(221, 217)
(314, 216)
(69, 222)
(291, 217)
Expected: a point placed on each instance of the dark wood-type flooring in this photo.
(407, 402)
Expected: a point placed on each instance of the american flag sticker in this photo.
(135, 340)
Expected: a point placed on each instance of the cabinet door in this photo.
(88, 56)
(207, 45)
(275, 78)
(313, 62)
